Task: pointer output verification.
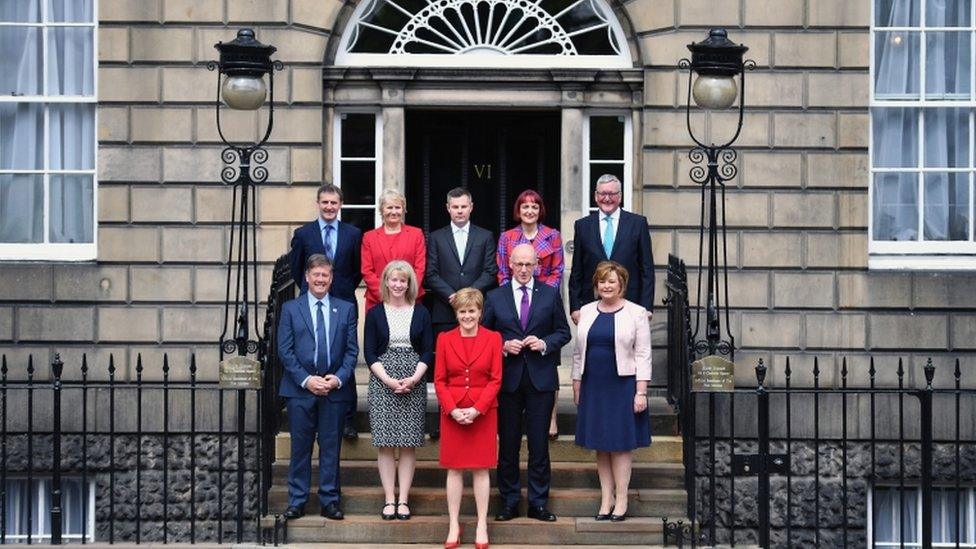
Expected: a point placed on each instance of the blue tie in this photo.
(327, 241)
(321, 343)
(608, 236)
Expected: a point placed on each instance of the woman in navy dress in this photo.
(611, 368)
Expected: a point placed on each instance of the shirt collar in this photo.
(615, 215)
(322, 223)
(464, 228)
(312, 300)
(518, 285)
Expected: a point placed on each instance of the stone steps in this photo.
(662, 449)
(371, 528)
(653, 476)
(429, 501)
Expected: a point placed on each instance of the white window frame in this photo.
(969, 528)
(922, 254)
(622, 60)
(42, 512)
(587, 181)
(337, 157)
(50, 251)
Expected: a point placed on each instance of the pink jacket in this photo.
(632, 332)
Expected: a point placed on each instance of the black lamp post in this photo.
(717, 61)
(243, 64)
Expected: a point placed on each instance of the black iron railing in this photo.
(795, 459)
(156, 457)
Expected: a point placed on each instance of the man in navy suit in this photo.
(533, 325)
(338, 241)
(611, 233)
(318, 350)
(460, 255)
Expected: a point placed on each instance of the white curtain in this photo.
(71, 142)
(888, 519)
(946, 140)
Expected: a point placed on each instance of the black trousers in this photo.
(527, 410)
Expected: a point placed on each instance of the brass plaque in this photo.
(240, 372)
(712, 374)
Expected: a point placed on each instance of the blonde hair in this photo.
(392, 195)
(468, 297)
(399, 266)
(604, 269)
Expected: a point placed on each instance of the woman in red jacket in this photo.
(467, 377)
(394, 239)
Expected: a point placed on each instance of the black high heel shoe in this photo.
(604, 516)
(388, 516)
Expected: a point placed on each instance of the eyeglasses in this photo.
(608, 194)
(523, 265)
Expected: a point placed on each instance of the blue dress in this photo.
(605, 419)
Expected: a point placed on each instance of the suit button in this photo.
(467, 379)
(467, 386)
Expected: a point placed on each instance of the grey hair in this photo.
(609, 178)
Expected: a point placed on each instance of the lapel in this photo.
(340, 240)
(620, 234)
(510, 302)
(595, 232)
(316, 233)
(449, 242)
(457, 346)
(534, 306)
(306, 313)
(333, 324)
(468, 245)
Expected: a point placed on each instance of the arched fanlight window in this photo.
(485, 33)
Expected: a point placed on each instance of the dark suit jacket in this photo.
(376, 335)
(631, 248)
(445, 273)
(345, 269)
(547, 321)
(296, 347)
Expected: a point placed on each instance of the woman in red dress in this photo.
(394, 239)
(467, 377)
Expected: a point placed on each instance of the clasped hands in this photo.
(401, 386)
(515, 346)
(321, 385)
(465, 416)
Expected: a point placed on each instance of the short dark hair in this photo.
(528, 195)
(328, 188)
(317, 260)
(458, 192)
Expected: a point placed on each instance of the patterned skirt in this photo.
(397, 420)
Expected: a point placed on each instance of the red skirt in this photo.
(472, 446)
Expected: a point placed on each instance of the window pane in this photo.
(20, 64)
(946, 206)
(947, 13)
(948, 65)
(944, 513)
(606, 138)
(72, 136)
(895, 133)
(20, 11)
(895, 206)
(21, 208)
(21, 136)
(358, 182)
(896, 65)
(597, 170)
(946, 138)
(72, 204)
(358, 135)
(897, 13)
(364, 219)
(70, 68)
(70, 11)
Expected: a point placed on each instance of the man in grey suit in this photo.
(460, 255)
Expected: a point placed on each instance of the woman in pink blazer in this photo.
(611, 368)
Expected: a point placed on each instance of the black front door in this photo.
(496, 155)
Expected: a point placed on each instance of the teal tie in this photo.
(608, 236)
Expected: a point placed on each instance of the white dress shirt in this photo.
(603, 223)
(461, 239)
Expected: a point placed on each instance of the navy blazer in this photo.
(631, 248)
(345, 268)
(547, 321)
(296, 347)
(376, 335)
(445, 273)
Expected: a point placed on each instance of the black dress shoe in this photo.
(506, 513)
(604, 516)
(618, 518)
(293, 513)
(332, 511)
(350, 432)
(541, 513)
